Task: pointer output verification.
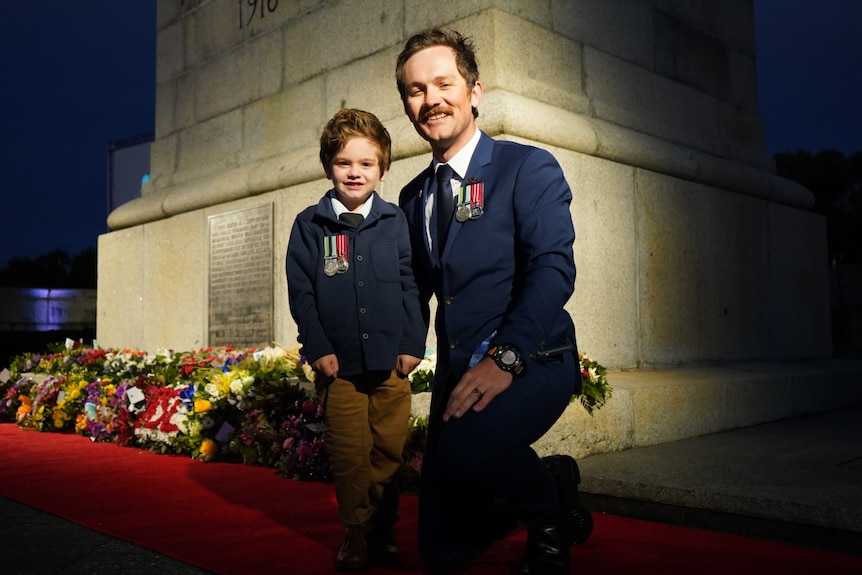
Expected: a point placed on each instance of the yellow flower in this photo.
(292, 355)
(308, 371)
(202, 405)
(60, 418)
(222, 382)
(209, 448)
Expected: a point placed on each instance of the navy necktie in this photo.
(444, 203)
(351, 218)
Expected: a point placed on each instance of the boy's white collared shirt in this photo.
(364, 209)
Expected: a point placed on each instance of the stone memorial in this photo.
(702, 277)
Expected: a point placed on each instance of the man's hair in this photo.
(350, 123)
(465, 55)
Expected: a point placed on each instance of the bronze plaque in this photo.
(240, 281)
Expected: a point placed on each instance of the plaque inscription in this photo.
(240, 280)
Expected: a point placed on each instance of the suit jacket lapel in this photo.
(481, 158)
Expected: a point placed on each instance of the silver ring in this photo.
(478, 393)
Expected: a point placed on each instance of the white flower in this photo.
(268, 354)
(211, 390)
(241, 384)
(428, 364)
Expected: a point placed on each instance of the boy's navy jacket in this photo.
(367, 315)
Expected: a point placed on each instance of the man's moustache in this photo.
(436, 111)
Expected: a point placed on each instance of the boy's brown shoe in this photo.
(353, 552)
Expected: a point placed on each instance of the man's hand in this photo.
(477, 388)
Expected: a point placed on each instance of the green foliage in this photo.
(596, 389)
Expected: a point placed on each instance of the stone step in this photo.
(649, 407)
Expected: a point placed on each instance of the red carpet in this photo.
(232, 518)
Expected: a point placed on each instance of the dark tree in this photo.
(55, 269)
(836, 182)
(83, 272)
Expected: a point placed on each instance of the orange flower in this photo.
(24, 408)
(209, 448)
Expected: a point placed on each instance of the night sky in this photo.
(78, 75)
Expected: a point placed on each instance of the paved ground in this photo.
(797, 481)
(33, 542)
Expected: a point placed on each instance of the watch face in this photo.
(509, 357)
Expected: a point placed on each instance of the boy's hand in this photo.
(327, 366)
(406, 363)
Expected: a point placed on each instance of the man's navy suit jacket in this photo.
(511, 269)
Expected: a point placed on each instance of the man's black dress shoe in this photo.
(546, 552)
(567, 476)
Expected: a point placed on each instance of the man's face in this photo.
(438, 101)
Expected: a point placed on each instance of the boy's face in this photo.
(356, 171)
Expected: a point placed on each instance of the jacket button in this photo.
(364, 336)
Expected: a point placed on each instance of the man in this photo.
(507, 363)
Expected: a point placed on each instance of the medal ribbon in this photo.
(341, 247)
(477, 194)
(462, 195)
(328, 247)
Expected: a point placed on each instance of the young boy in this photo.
(352, 293)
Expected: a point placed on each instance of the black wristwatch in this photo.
(507, 358)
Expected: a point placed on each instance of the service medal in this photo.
(330, 267)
